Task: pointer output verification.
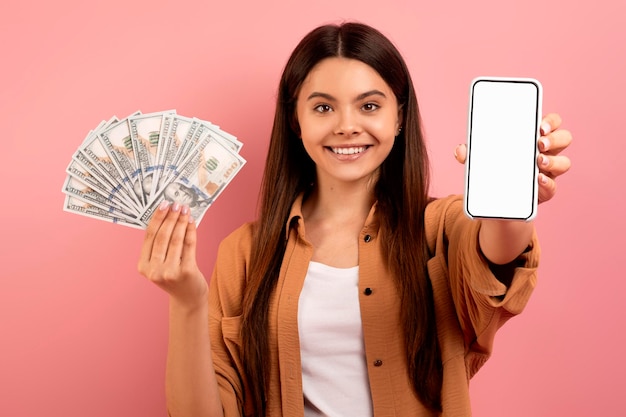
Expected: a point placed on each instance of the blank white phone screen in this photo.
(502, 144)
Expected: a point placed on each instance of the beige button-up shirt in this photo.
(470, 305)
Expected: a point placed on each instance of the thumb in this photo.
(460, 153)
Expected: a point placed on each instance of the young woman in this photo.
(354, 293)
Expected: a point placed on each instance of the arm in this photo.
(168, 258)
(502, 241)
(191, 384)
(486, 295)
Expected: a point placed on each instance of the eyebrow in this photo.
(361, 96)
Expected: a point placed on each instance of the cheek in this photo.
(314, 128)
(383, 129)
(310, 142)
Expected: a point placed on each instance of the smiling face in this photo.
(348, 118)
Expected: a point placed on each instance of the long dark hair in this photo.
(401, 192)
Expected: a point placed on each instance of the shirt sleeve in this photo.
(485, 296)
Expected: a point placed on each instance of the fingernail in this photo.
(545, 128)
(545, 142)
(164, 205)
(185, 209)
(543, 179)
(456, 155)
(191, 219)
(176, 207)
(544, 161)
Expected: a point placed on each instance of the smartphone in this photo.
(501, 165)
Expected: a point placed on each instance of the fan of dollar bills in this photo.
(125, 168)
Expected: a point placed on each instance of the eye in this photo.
(322, 108)
(370, 107)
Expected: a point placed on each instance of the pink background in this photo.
(82, 334)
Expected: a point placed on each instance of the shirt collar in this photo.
(295, 219)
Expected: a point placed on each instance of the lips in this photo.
(349, 151)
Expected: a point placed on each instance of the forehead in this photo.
(343, 76)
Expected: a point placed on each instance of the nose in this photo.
(347, 123)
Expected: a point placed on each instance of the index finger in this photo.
(550, 123)
(151, 230)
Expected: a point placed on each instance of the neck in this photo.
(334, 215)
(339, 202)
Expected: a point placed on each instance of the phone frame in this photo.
(530, 212)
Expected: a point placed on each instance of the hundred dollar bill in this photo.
(84, 208)
(181, 128)
(145, 133)
(100, 166)
(226, 138)
(95, 152)
(76, 170)
(205, 173)
(92, 157)
(196, 131)
(200, 130)
(166, 125)
(118, 144)
(84, 192)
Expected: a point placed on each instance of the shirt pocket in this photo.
(449, 332)
(231, 332)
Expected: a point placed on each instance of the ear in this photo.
(400, 119)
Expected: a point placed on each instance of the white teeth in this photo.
(348, 151)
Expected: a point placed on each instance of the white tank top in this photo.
(334, 370)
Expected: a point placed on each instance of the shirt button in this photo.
(367, 238)
(378, 362)
(367, 291)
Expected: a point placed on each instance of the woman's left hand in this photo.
(551, 163)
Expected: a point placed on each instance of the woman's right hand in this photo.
(168, 255)
(168, 258)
